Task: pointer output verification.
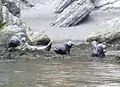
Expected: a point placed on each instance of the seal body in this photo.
(16, 40)
(101, 49)
(64, 49)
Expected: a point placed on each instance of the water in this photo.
(74, 72)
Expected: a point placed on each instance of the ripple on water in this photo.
(59, 73)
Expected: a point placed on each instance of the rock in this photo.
(93, 1)
(109, 35)
(74, 13)
(114, 22)
(38, 38)
(13, 8)
(9, 31)
(92, 36)
(107, 4)
(63, 4)
(1, 16)
(28, 4)
(114, 53)
(8, 18)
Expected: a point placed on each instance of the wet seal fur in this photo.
(64, 49)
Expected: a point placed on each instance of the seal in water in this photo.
(64, 49)
(17, 40)
(98, 49)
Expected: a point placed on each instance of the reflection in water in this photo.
(58, 73)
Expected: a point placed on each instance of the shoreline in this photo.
(81, 51)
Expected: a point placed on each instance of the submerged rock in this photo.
(74, 13)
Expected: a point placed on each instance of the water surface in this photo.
(75, 72)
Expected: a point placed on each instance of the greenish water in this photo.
(74, 72)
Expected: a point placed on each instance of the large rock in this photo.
(38, 38)
(13, 25)
(74, 13)
(27, 3)
(32, 38)
(9, 31)
(13, 8)
(109, 35)
(9, 18)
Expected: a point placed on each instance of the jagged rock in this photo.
(13, 8)
(74, 13)
(8, 18)
(109, 35)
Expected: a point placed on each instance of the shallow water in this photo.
(74, 72)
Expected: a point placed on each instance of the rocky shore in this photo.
(81, 51)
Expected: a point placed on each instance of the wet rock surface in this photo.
(82, 50)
